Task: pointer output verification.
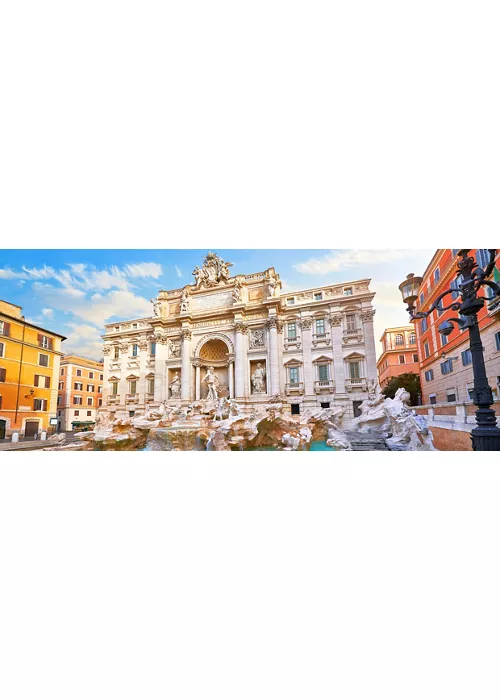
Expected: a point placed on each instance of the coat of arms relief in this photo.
(213, 271)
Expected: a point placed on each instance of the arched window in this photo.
(399, 340)
(413, 339)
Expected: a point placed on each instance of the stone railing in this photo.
(132, 398)
(113, 398)
(455, 415)
(321, 338)
(294, 388)
(293, 340)
(149, 398)
(356, 384)
(324, 385)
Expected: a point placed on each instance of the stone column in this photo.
(123, 386)
(369, 341)
(338, 357)
(240, 372)
(274, 373)
(143, 357)
(230, 371)
(197, 365)
(306, 325)
(160, 369)
(186, 365)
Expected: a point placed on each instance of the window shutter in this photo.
(39, 337)
(47, 382)
(37, 380)
(51, 343)
(6, 328)
(2, 374)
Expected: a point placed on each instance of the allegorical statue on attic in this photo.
(214, 271)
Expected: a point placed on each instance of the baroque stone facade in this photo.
(313, 348)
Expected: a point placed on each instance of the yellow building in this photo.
(29, 371)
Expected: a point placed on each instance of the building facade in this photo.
(399, 354)
(445, 361)
(29, 367)
(79, 394)
(313, 348)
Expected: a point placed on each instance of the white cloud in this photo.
(336, 261)
(153, 270)
(48, 313)
(7, 274)
(83, 340)
(178, 271)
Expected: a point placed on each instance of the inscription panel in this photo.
(211, 301)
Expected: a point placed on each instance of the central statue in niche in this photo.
(214, 271)
(212, 382)
(258, 377)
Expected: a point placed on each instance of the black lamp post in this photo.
(470, 277)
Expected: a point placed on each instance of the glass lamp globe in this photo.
(409, 289)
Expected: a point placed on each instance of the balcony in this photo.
(132, 398)
(324, 385)
(113, 399)
(321, 338)
(352, 335)
(294, 388)
(293, 341)
(149, 398)
(356, 384)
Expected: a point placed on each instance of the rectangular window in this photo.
(326, 404)
(100, 402)
(293, 373)
(114, 388)
(40, 405)
(429, 375)
(152, 348)
(444, 339)
(348, 291)
(323, 373)
(78, 386)
(62, 372)
(132, 387)
(78, 372)
(2, 350)
(41, 381)
(89, 413)
(292, 331)
(116, 352)
(354, 370)
(90, 401)
(2, 374)
(43, 341)
(497, 340)
(135, 350)
(151, 385)
(76, 413)
(77, 401)
(320, 326)
(447, 367)
(451, 395)
(43, 360)
(433, 398)
(350, 322)
(290, 301)
(427, 349)
(5, 329)
(101, 377)
(436, 274)
(423, 325)
(470, 391)
(91, 375)
(99, 389)
(134, 326)
(59, 400)
(61, 386)
(318, 296)
(415, 358)
(91, 388)
(422, 299)
(466, 357)
(401, 359)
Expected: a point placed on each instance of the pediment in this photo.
(114, 379)
(322, 358)
(293, 361)
(131, 377)
(354, 356)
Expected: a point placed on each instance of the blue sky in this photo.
(75, 292)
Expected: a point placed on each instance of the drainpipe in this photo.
(19, 377)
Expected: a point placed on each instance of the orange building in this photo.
(399, 354)
(445, 361)
(79, 393)
(29, 367)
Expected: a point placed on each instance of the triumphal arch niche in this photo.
(239, 336)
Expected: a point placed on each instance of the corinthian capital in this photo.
(367, 316)
(335, 320)
(305, 323)
(186, 334)
(106, 349)
(240, 327)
